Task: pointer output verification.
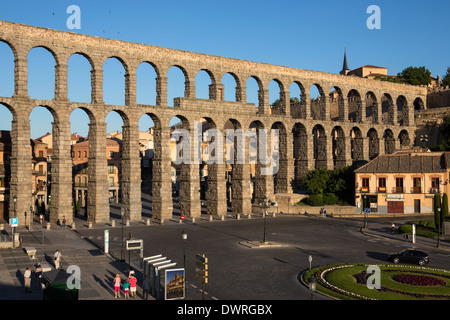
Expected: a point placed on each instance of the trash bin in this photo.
(55, 286)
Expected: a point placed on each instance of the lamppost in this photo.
(264, 204)
(122, 259)
(439, 226)
(184, 237)
(312, 286)
(365, 212)
(14, 228)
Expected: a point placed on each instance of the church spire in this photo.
(345, 68)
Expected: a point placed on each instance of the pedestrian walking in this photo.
(117, 281)
(393, 227)
(38, 273)
(57, 258)
(64, 222)
(133, 282)
(27, 279)
(41, 218)
(126, 288)
(145, 287)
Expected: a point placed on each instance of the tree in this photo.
(444, 207)
(446, 80)
(317, 181)
(277, 102)
(416, 76)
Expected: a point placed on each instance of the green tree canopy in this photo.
(412, 75)
(446, 80)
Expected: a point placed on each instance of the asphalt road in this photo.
(238, 272)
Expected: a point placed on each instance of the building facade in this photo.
(402, 182)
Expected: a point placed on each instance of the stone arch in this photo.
(418, 104)
(298, 105)
(260, 92)
(404, 139)
(228, 78)
(387, 109)
(201, 78)
(83, 57)
(300, 153)
(278, 105)
(319, 147)
(116, 94)
(318, 103)
(6, 86)
(46, 87)
(357, 145)
(371, 107)
(337, 108)
(355, 109)
(171, 76)
(402, 111)
(280, 158)
(389, 141)
(338, 147)
(152, 88)
(374, 143)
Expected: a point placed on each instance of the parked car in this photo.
(410, 256)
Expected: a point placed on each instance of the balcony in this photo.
(416, 190)
(434, 190)
(382, 189)
(364, 190)
(398, 190)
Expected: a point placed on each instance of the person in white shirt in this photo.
(57, 259)
(27, 279)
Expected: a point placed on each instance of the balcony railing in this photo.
(364, 190)
(382, 189)
(398, 190)
(434, 190)
(416, 190)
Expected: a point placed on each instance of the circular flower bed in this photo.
(417, 280)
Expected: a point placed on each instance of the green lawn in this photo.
(391, 290)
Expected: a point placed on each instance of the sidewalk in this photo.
(384, 231)
(97, 269)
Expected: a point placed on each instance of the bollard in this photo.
(238, 216)
(210, 217)
(249, 216)
(148, 221)
(48, 226)
(128, 223)
(193, 219)
(90, 225)
(222, 218)
(73, 225)
(113, 223)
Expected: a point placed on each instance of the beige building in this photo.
(403, 182)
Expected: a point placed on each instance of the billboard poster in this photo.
(174, 284)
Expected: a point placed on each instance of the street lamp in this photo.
(14, 228)
(439, 227)
(365, 212)
(312, 282)
(184, 237)
(122, 259)
(264, 204)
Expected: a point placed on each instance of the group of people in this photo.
(323, 212)
(27, 277)
(129, 286)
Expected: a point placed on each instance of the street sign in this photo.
(14, 222)
(182, 217)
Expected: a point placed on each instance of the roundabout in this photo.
(379, 282)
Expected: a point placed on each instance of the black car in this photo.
(410, 256)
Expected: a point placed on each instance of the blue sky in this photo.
(301, 34)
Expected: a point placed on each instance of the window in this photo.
(365, 185)
(382, 184)
(399, 185)
(111, 168)
(417, 185)
(111, 154)
(85, 154)
(434, 185)
(41, 154)
(79, 154)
